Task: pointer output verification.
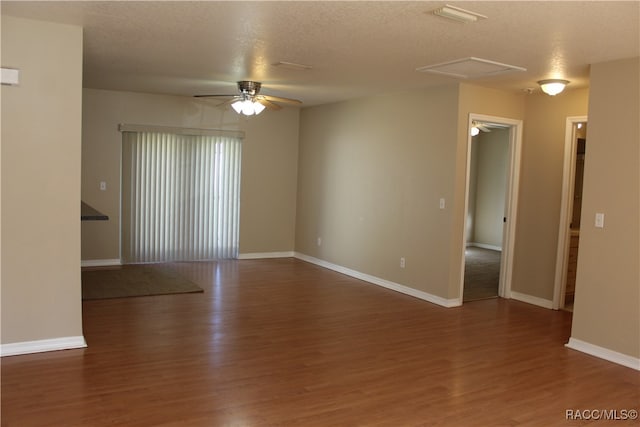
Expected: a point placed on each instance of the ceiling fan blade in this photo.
(214, 96)
(280, 99)
(228, 102)
(481, 126)
(270, 105)
(249, 91)
(222, 105)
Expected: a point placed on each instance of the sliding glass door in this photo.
(180, 197)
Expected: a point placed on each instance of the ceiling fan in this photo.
(249, 101)
(476, 127)
(482, 126)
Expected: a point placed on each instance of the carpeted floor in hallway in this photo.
(481, 273)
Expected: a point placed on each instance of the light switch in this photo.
(599, 220)
(10, 76)
(442, 203)
(103, 186)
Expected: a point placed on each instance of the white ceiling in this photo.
(356, 48)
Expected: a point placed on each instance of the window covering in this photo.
(180, 196)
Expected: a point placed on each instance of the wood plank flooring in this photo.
(286, 343)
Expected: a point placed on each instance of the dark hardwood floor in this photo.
(286, 343)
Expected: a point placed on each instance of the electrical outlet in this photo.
(319, 241)
(402, 263)
(442, 203)
(599, 220)
(103, 186)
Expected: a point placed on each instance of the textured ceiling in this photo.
(356, 48)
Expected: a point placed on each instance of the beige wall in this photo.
(488, 186)
(607, 300)
(41, 121)
(371, 173)
(473, 184)
(269, 164)
(540, 189)
(269, 182)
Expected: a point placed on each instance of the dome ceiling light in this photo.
(553, 86)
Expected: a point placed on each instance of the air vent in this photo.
(292, 66)
(458, 14)
(470, 68)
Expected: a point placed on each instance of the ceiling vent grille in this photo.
(458, 14)
(470, 68)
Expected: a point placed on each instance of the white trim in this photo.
(39, 346)
(604, 353)
(568, 180)
(511, 205)
(443, 302)
(262, 255)
(100, 262)
(530, 299)
(485, 246)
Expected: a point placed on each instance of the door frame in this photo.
(568, 181)
(511, 199)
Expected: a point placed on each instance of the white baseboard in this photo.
(100, 262)
(530, 299)
(604, 353)
(262, 255)
(39, 346)
(443, 302)
(484, 246)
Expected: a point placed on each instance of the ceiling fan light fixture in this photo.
(248, 107)
(237, 106)
(249, 101)
(553, 86)
(258, 107)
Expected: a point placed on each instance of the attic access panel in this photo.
(470, 68)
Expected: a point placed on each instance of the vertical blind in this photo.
(180, 197)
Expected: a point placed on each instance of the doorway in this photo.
(485, 210)
(570, 212)
(493, 164)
